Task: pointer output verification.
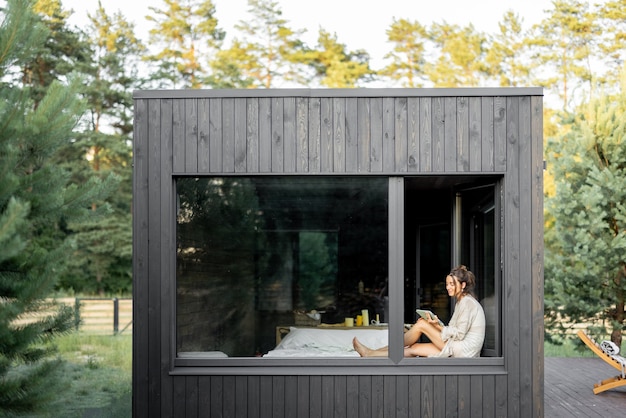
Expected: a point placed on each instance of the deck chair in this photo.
(614, 360)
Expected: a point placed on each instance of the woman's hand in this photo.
(434, 321)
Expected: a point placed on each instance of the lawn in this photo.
(97, 377)
(573, 347)
(569, 348)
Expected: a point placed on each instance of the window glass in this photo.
(450, 221)
(258, 256)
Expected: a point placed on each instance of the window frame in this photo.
(396, 363)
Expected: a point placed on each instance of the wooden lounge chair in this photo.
(616, 361)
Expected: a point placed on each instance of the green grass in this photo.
(97, 377)
(571, 348)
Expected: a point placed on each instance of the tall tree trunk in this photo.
(616, 335)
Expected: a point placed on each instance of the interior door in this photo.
(477, 231)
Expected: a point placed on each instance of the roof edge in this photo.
(355, 92)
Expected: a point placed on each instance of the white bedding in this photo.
(327, 342)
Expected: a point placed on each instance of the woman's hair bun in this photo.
(463, 275)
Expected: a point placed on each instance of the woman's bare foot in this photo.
(360, 348)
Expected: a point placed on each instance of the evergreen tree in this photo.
(101, 261)
(459, 59)
(612, 44)
(507, 57)
(36, 202)
(229, 69)
(269, 52)
(408, 54)
(334, 66)
(187, 36)
(61, 53)
(563, 48)
(585, 266)
(113, 71)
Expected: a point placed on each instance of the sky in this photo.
(359, 24)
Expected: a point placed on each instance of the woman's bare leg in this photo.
(414, 333)
(421, 350)
(365, 351)
(411, 347)
(423, 327)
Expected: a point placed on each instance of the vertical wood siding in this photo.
(334, 396)
(389, 135)
(338, 135)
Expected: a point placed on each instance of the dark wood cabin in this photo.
(263, 219)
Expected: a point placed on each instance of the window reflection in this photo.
(257, 254)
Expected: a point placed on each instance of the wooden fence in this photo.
(102, 315)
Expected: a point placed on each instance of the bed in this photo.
(326, 341)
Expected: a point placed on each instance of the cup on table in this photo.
(349, 322)
(359, 320)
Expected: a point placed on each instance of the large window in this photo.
(258, 255)
(273, 266)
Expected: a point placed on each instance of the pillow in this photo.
(305, 338)
(201, 354)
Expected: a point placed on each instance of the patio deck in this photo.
(568, 389)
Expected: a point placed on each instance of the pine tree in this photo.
(508, 53)
(36, 202)
(585, 273)
(612, 44)
(188, 37)
(563, 48)
(227, 71)
(459, 60)
(269, 50)
(101, 261)
(408, 55)
(334, 65)
(59, 55)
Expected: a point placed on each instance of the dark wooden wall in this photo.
(340, 396)
(393, 132)
(336, 134)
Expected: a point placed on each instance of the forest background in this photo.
(66, 126)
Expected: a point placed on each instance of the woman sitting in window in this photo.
(464, 335)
